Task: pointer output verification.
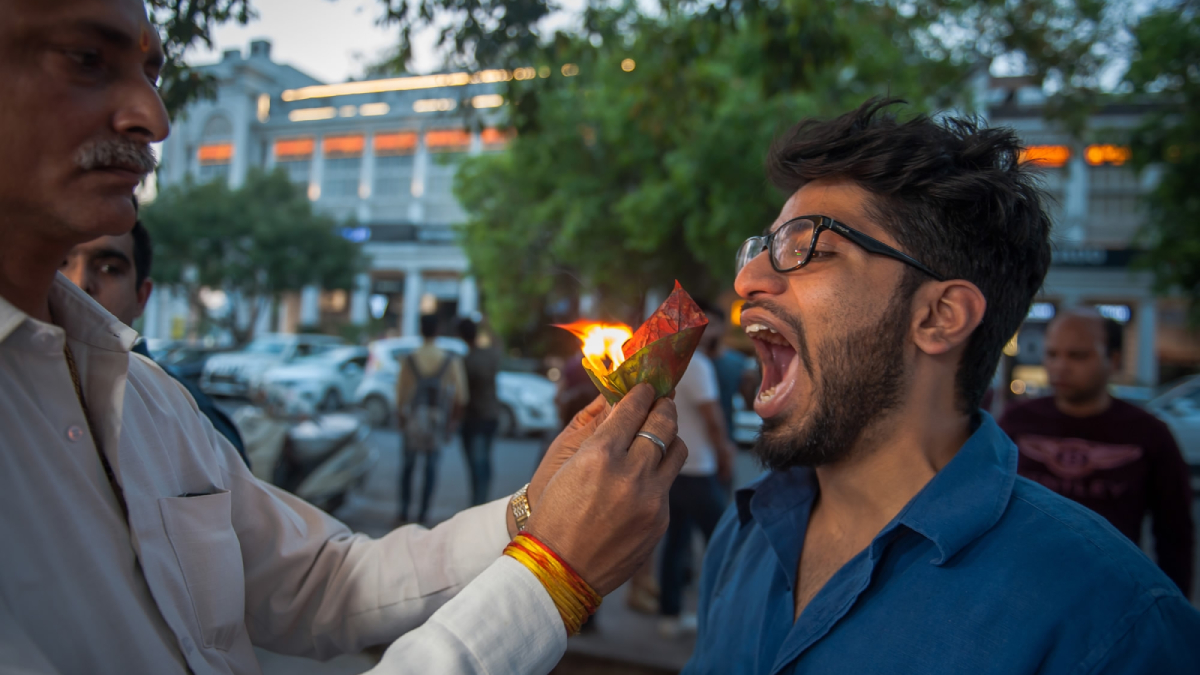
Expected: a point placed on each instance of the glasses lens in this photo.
(792, 242)
(749, 250)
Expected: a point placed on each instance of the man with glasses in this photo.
(892, 534)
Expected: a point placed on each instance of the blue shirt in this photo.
(982, 572)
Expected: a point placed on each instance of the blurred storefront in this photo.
(1097, 217)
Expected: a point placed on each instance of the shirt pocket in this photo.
(200, 529)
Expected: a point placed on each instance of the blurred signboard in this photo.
(1093, 257)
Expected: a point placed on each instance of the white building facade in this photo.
(379, 155)
(384, 153)
(1097, 210)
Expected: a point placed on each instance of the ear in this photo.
(946, 313)
(143, 295)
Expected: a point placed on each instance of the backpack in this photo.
(429, 409)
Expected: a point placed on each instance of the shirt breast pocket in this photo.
(200, 529)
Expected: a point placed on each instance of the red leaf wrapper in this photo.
(659, 351)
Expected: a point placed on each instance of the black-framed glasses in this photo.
(792, 244)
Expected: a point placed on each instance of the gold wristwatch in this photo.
(520, 507)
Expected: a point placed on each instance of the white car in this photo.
(325, 381)
(526, 399)
(233, 373)
(1179, 407)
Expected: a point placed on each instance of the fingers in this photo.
(677, 454)
(626, 418)
(662, 423)
(589, 413)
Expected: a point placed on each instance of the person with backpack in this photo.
(431, 394)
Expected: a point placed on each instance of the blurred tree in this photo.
(1166, 65)
(254, 243)
(647, 165)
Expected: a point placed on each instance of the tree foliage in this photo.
(1166, 65)
(621, 181)
(184, 24)
(253, 242)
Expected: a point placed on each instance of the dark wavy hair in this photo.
(954, 195)
(143, 253)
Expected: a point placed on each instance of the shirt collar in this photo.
(964, 500)
(80, 317)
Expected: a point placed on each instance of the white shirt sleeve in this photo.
(446, 596)
(699, 383)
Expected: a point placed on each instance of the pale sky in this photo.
(332, 40)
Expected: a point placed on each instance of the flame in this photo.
(602, 344)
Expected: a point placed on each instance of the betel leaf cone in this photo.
(659, 351)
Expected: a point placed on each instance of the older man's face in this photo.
(78, 111)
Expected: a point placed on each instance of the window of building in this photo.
(343, 165)
(394, 161)
(294, 155)
(1113, 208)
(214, 159)
(494, 140)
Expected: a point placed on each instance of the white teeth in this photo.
(758, 327)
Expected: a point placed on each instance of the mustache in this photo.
(793, 321)
(117, 152)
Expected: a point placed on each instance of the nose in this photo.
(141, 114)
(758, 278)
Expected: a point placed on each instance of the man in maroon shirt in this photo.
(1104, 453)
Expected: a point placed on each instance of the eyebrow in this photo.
(110, 253)
(117, 38)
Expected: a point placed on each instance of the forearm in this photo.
(315, 589)
(503, 622)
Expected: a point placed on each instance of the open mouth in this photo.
(780, 364)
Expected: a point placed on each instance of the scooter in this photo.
(317, 457)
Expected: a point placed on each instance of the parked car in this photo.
(1179, 407)
(746, 422)
(527, 399)
(231, 374)
(186, 361)
(325, 381)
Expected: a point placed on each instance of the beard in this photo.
(861, 378)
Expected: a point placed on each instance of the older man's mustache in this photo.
(116, 153)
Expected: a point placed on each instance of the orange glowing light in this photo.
(447, 140)
(294, 148)
(395, 143)
(1046, 155)
(1107, 154)
(215, 153)
(602, 344)
(344, 146)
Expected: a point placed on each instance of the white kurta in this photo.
(213, 560)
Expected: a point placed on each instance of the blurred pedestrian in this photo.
(482, 416)
(1113, 457)
(891, 533)
(697, 498)
(115, 271)
(135, 538)
(729, 365)
(431, 394)
(574, 388)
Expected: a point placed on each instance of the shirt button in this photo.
(74, 432)
(44, 340)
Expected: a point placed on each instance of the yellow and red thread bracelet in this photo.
(574, 598)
